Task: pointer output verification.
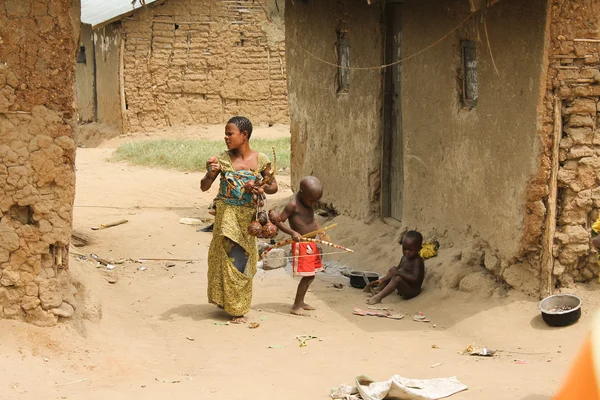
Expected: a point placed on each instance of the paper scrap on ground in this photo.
(302, 339)
(476, 351)
(399, 388)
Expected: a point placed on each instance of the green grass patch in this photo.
(191, 154)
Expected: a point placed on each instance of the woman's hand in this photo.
(212, 165)
(213, 168)
(258, 190)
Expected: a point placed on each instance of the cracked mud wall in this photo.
(467, 169)
(38, 39)
(197, 62)
(573, 79)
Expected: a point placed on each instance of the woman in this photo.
(233, 253)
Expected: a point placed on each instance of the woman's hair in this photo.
(243, 124)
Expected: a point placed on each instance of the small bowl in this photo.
(561, 309)
(357, 279)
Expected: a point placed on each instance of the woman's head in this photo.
(237, 132)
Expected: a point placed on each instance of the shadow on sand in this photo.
(196, 312)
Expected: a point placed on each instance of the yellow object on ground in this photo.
(596, 226)
(428, 250)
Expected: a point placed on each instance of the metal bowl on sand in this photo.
(561, 309)
(358, 279)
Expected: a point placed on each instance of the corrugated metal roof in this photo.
(96, 12)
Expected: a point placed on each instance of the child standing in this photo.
(306, 257)
(407, 277)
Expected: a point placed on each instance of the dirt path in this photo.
(158, 338)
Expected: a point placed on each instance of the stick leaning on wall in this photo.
(547, 268)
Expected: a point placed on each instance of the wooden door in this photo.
(393, 168)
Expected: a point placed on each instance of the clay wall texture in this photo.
(574, 78)
(466, 171)
(196, 62)
(336, 137)
(85, 78)
(38, 40)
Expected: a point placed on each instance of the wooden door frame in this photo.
(387, 115)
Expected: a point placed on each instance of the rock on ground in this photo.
(274, 259)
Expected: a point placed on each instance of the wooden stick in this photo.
(569, 57)
(70, 383)
(581, 80)
(587, 40)
(315, 233)
(548, 240)
(73, 252)
(122, 83)
(99, 259)
(110, 224)
(290, 241)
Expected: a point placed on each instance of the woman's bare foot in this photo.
(308, 307)
(298, 311)
(238, 320)
(373, 300)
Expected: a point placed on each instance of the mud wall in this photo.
(38, 42)
(85, 78)
(107, 45)
(192, 62)
(466, 170)
(336, 136)
(573, 79)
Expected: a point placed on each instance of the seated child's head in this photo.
(411, 244)
(311, 191)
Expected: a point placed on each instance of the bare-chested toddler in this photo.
(306, 258)
(407, 277)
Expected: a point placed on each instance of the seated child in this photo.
(407, 277)
(595, 235)
(306, 257)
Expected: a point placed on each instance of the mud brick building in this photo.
(181, 62)
(484, 125)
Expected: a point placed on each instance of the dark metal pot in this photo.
(554, 317)
(357, 279)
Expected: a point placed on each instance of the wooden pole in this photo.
(110, 224)
(122, 83)
(315, 233)
(546, 282)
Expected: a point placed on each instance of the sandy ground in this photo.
(158, 338)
